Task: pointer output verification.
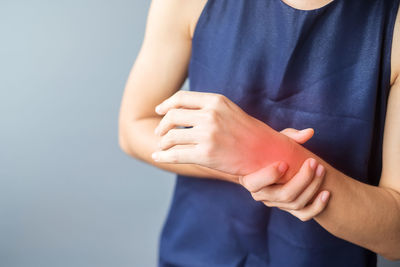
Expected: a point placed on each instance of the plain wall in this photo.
(68, 195)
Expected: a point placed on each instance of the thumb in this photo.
(300, 136)
(263, 177)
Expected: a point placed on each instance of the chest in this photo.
(328, 69)
(306, 5)
(296, 16)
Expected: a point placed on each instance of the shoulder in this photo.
(181, 14)
(170, 17)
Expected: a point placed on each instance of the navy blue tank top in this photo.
(326, 68)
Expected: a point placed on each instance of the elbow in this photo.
(123, 144)
(393, 252)
(122, 140)
(392, 256)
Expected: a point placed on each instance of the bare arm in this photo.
(378, 226)
(366, 215)
(158, 72)
(360, 213)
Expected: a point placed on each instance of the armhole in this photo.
(394, 17)
(200, 20)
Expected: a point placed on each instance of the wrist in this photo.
(279, 147)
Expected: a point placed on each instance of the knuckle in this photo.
(218, 100)
(296, 206)
(274, 196)
(301, 218)
(268, 204)
(256, 196)
(304, 218)
(282, 196)
(287, 130)
(285, 196)
(211, 116)
(246, 184)
(249, 186)
(318, 209)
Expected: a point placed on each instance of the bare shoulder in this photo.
(395, 54)
(168, 17)
(180, 14)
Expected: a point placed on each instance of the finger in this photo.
(187, 99)
(179, 137)
(264, 176)
(178, 117)
(299, 136)
(312, 210)
(291, 190)
(177, 154)
(306, 196)
(310, 192)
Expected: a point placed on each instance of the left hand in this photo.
(222, 137)
(299, 196)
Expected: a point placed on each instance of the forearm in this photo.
(366, 215)
(138, 140)
(362, 214)
(232, 141)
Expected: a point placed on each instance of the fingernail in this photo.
(158, 108)
(313, 164)
(324, 196)
(320, 170)
(156, 130)
(282, 167)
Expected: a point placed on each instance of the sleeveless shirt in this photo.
(326, 68)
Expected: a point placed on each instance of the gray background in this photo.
(68, 194)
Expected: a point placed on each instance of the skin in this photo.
(308, 4)
(302, 188)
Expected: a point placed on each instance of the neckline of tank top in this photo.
(307, 10)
